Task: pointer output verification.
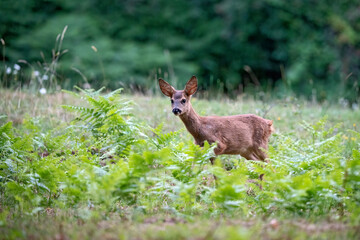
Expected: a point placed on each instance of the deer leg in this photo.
(261, 154)
(252, 156)
(258, 156)
(219, 149)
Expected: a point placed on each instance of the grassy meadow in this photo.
(113, 166)
(102, 164)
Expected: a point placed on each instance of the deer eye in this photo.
(183, 101)
(172, 101)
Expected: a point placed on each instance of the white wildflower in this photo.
(42, 91)
(36, 73)
(8, 70)
(16, 67)
(45, 77)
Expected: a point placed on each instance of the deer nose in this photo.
(176, 111)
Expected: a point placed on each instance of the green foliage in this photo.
(107, 160)
(108, 119)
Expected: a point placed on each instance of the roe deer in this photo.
(245, 134)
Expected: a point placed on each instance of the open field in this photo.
(287, 114)
(115, 174)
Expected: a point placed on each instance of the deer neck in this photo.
(192, 122)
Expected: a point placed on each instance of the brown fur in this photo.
(245, 134)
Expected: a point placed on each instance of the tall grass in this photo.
(109, 162)
(106, 132)
(41, 77)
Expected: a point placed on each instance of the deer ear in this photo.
(166, 88)
(191, 86)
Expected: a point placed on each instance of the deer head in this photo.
(180, 99)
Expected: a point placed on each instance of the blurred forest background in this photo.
(310, 48)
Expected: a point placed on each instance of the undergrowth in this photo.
(108, 161)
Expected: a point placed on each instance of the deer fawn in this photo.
(246, 134)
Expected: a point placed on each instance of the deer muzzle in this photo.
(176, 111)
